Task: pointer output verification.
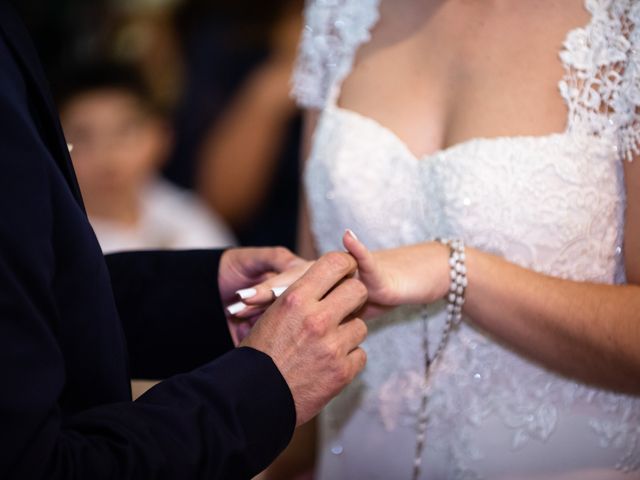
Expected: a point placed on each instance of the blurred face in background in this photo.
(118, 145)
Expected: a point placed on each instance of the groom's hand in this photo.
(311, 336)
(241, 268)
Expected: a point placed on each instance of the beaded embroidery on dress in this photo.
(554, 204)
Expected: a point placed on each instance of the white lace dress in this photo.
(551, 203)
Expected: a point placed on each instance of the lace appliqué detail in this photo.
(333, 31)
(602, 81)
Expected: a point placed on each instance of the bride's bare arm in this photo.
(590, 332)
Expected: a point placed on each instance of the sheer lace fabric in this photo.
(554, 204)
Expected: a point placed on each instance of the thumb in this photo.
(359, 251)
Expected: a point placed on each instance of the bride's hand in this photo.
(415, 274)
(255, 300)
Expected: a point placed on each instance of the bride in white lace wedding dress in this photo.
(436, 119)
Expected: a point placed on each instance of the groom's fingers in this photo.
(266, 292)
(356, 361)
(324, 274)
(345, 299)
(351, 334)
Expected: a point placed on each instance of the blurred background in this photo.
(178, 115)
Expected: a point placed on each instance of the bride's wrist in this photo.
(443, 271)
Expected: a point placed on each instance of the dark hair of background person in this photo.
(96, 75)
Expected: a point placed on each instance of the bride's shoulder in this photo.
(603, 64)
(333, 30)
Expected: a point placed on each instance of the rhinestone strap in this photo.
(455, 301)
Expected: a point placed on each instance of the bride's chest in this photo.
(509, 195)
(438, 74)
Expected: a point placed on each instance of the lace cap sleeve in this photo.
(332, 33)
(602, 81)
(630, 132)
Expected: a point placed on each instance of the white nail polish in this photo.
(277, 291)
(70, 147)
(247, 293)
(353, 235)
(236, 308)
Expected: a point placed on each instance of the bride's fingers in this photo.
(240, 311)
(260, 294)
(267, 291)
(359, 251)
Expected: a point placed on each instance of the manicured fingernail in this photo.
(70, 147)
(353, 235)
(277, 291)
(247, 293)
(236, 308)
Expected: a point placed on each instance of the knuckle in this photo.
(330, 353)
(362, 359)
(342, 374)
(282, 253)
(355, 292)
(292, 300)
(316, 324)
(361, 328)
(360, 290)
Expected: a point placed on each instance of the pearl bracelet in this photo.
(458, 286)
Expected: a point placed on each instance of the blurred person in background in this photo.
(237, 129)
(223, 68)
(119, 142)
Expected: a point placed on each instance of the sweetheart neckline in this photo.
(427, 157)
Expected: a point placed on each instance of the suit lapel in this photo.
(17, 38)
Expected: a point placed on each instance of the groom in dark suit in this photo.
(65, 312)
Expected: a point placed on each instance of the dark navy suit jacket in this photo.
(74, 328)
